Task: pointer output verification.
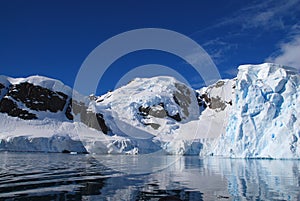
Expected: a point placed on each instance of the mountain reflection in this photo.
(35, 176)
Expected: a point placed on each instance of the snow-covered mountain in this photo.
(253, 115)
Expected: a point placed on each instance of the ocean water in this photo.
(51, 176)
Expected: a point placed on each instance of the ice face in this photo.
(264, 120)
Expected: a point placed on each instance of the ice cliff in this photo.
(264, 121)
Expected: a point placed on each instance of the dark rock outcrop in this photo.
(201, 101)
(157, 111)
(68, 112)
(89, 118)
(37, 98)
(24, 100)
(94, 120)
(182, 98)
(2, 90)
(11, 108)
(217, 103)
(21, 100)
(214, 103)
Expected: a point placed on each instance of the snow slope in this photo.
(149, 112)
(148, 115)
(163, 113)
(141, 117)
(46, 131)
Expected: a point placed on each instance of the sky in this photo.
(53, 38)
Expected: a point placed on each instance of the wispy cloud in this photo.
(268, 14)
(288, 53)
(288, 49)
(264, 14)
(253, 21)
(218, 48)
(232, 72)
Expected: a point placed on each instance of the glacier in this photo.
(264, 119)
(254, 115)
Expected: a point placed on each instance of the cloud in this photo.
(288, 50)
(218, 48)
(232, 72)
(260, 16)
(268, 14)
(288, 53)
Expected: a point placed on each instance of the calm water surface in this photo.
(41, 176)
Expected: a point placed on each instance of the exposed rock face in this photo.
(202, 100)
(211, 97)
(26, 100)
(182, 97)
(37, 98)
(215, 103)
(1, 87)
(89, 118)
(68, 112)
(11, 108)
(157, 111)
(220, 83)
(3, 90)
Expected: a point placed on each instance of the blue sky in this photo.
(53, 38)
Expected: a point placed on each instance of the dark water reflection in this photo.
(39, 176)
